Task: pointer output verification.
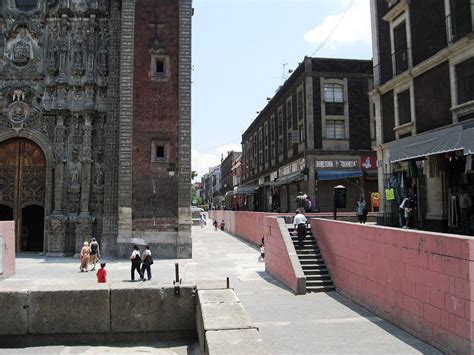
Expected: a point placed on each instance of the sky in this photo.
(239, 49)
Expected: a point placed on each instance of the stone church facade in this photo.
(95, 126)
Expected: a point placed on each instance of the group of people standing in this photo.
(90, 254)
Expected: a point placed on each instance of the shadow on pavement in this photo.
(386, 325)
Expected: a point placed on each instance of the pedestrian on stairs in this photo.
(300, 225)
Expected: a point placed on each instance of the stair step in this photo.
(312, 262)
(319, 283)
(315, 272)
(313, 266)
(320, 289)
(317, 278)
(307, 251)
(309, 256)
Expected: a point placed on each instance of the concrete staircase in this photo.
(312, 262)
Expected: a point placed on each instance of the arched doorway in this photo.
(22, 191)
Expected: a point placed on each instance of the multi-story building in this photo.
(315, 133)
(227, 180)
(95, 124)
(424, 104)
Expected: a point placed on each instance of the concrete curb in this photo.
(223, 325)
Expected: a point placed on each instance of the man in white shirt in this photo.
(300, 225)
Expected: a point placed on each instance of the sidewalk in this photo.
(289, 324)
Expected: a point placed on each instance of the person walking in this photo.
(85, 255)
(401, 210)
(300, 225)
(309, 204)
(362, 210)
(147, 262)
(215, 224)
(95, 253)
(300, 201)
(136, 261)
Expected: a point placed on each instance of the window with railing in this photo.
(335, 129)
(289, 112)
(300, 103)
(280, 121)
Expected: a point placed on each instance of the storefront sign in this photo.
(337, 164)
(297, 165)
(368, 162)
(274, 176)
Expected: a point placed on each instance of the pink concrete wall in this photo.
(7, 231)
(249, 225)
(281, 260)
(420, 281)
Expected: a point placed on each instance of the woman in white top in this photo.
(136, 261)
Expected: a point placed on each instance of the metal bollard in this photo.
(228, 283)
(176, 271)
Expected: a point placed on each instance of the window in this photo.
(465, 81)
(401, 48)
(335, 129)
(272, 128)
(280, 145)
(26, 5)
(280, 121)
(159, 151)
(301, 129)
(333, 93)
(289, 112)
(289, 142)
(300, 104)
(404, 110)
(159, 67)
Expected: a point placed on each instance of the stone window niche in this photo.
(159, 67)
(26, 5)
(159, 151)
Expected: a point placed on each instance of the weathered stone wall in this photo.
(7, 249)
(73, 315)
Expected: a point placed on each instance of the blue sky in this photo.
(239, 48)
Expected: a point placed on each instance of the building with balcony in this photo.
(424, 108)
(315, 133)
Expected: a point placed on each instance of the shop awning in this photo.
(338, 174)
(287, 179)
(458, 137)
(244, 189)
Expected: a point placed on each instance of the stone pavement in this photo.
(289, 324)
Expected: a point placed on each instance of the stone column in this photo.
(183, 243)
(125, 173)
(60, 161)
(86, 166)
(310, 163)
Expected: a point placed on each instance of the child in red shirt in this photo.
(102, 274)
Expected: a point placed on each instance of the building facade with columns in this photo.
(95, 124)
(315, 133)
(424, 99)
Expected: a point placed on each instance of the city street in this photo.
(313, 323)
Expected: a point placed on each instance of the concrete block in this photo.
(217, 296)
(242, 341)
(146, 307)
(72, 310)
(218, 316)
(14, 313)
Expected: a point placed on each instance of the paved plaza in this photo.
(289, 324)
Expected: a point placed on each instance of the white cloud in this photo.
(202, 161)
(352, 29)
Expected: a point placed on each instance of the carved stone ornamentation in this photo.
(55, 234)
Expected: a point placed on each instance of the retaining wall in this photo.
(281, 260)
(250, 225)
(64, 315)
(420, 281)
(7, 249)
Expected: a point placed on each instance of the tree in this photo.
(194, 174)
